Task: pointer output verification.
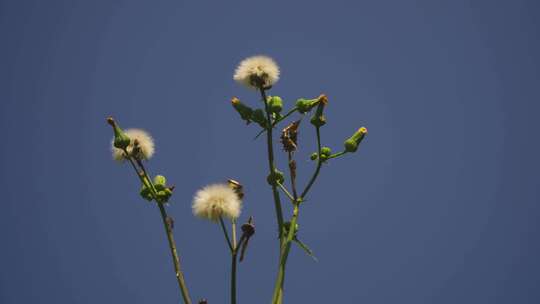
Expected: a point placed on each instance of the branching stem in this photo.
(145, 179)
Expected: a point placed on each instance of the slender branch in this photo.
(337, 154)
(145, 179)
(174, 253)
(272, 167)
(286, 192)
(319, 164)
(231, 248)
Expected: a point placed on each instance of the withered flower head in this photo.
(289, 137)
(237, 187)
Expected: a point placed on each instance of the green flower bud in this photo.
(314, 156)
(351, 144)
(160, 180)
(121, 140)
(326, 151)
(276, 104)
(305, 105)
(276, 177)
(244, 111)
(259, 117)
(164, 195)
(146, 193)
(318, 119)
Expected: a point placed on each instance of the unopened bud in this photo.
(121, 140)
(318, 119)
(351, 144)
(275, 178)
(275, 104)
(313, 156)
(325, 153)
(146, 193)
(160, 180)
(244, 111)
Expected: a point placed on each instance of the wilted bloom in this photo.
(145, 145)
(216, 200)
(257, 72)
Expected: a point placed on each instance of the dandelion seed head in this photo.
(216, 200)
(257, 71)
(144, 141)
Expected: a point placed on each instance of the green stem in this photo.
(272, 167)
(233, 277)
(174, 253)
(337, 154)
(284, 254)
(318, 169)
(145, 179)
(226, 234)
(287, 193)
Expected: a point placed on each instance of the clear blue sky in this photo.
(440, 204)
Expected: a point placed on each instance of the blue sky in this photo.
(439, 205)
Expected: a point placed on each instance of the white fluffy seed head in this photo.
(145, 141)
(257, 70)
(216, 200)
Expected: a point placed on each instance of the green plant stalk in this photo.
(272, 167)
(234, 252)
(284, 254)
(225, 233)
(170, 237)
(233, 276)
(278, 289)
(233, 247)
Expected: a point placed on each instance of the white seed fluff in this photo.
(216, 200)
(259, 67)
(146, 144)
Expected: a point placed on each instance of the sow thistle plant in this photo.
(221, 203)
